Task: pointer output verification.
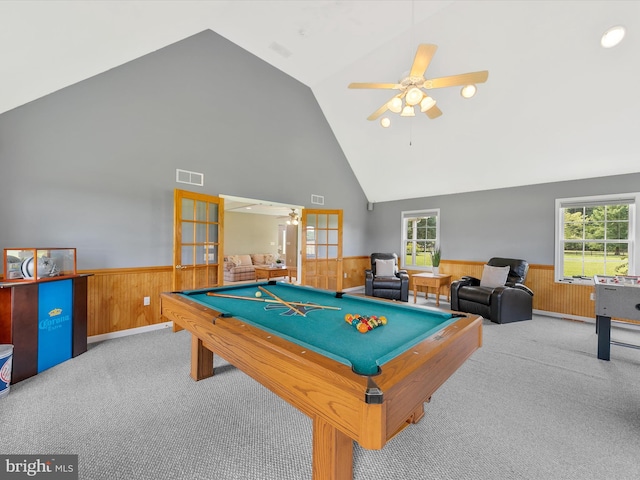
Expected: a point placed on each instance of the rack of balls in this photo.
(363, 323)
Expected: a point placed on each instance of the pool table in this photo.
(295, 341)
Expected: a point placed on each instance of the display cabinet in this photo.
(43, 308)
(38, 263)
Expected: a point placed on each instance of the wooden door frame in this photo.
(177, 232)
(303, 244)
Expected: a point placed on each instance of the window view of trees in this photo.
(596, 240)
(420, 238)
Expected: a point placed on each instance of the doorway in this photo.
(254, 226)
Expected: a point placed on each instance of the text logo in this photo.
(5, 372)
(54, 323)
(50, 467)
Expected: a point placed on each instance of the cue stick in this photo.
(282, 301)
(269, 300)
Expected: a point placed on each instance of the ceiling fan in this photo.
(411, 87)
(294, 219)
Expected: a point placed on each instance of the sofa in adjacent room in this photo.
(238, 268)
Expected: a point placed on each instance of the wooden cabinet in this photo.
(45, 321)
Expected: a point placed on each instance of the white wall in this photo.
(250, 233)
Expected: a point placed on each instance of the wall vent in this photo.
(191, 178)
(317, 199)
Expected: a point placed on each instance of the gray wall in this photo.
(510, 222)
(93, 165)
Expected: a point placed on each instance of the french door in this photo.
(197, 240)
(322, 249)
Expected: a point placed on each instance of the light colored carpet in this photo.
(533, 403)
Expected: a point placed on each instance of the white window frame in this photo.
(633, 199)
(431, 212)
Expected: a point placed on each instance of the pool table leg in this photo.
(201, 360)
(332, 452)
(417, 414)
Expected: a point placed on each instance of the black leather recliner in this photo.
(504, 304)
(394, 287)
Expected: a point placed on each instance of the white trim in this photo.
(426, 212)
(160, 326)
(566, 316)
(129, 331)
(354, 289)
(633, 199)
(267, 203)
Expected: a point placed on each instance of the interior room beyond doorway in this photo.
(260, 227)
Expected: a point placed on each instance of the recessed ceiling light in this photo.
(612, 37)
(385, 122)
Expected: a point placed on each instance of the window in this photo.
(595, 236)
(420, 236)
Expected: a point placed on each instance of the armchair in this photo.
(501, 300)
(384, 280)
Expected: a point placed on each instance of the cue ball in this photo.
(258, 294)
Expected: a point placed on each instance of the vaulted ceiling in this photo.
(557, 106)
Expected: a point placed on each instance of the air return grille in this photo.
(191, 178)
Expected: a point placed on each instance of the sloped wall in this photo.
(93, 166)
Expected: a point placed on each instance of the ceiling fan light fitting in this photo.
(413, 87)
(395, 105)
(408, 111)
(427, 103)
(293, 217)
(468, 91)
(612, 36)
(414, 95)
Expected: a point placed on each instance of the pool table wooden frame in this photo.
(326, 390)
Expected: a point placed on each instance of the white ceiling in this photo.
(557, 106)
(259, 207)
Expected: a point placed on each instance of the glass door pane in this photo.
(197, 241)
(322, 249)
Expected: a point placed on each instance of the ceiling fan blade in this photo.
(423, 57)
(378, 112)
(433, 112)
(395, 86)
(455, 80)
(384, 107)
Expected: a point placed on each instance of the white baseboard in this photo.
(567, 316)
(130, 331)
(160, 326)
(354, 289)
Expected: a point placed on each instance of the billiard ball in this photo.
(258, 294)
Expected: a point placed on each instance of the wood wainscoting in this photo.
(548, 296)
(116, 296)
(354, 267)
